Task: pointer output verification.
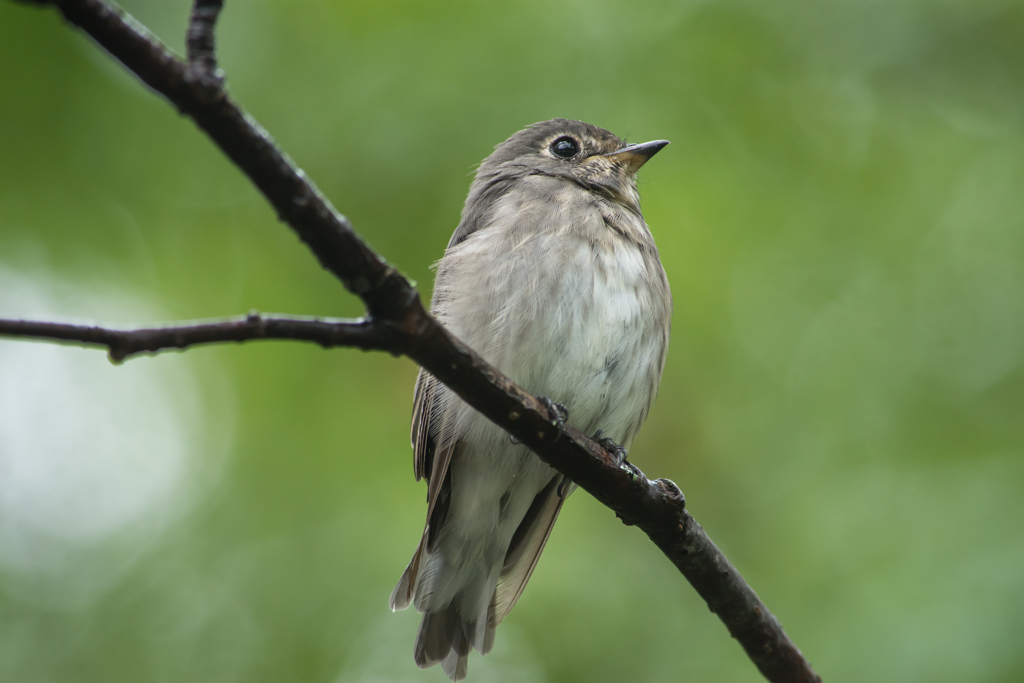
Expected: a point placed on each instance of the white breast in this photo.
(566, 307)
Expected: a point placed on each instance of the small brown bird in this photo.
(553, 277)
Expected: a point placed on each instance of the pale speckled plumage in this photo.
(553, 277)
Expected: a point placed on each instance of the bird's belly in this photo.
(605, 350)
(587, 335)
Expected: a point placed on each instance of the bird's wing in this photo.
(433, 442)
(433, 435)
(422, 407)
(526, 546)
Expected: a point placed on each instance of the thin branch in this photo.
(658, 507)
(122, 344)
(199, 40)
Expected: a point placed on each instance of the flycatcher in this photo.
(553, 277)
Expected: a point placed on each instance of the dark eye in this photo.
(565, 148)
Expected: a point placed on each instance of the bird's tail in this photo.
(442, 638)
(449, 630)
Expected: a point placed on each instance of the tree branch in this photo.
(199, 40)
(122, 344)
(657, 507)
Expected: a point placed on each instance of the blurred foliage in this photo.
(841, 216)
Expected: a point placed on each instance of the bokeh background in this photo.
(841, 216)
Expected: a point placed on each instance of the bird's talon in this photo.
(617, 451)
(560, 412)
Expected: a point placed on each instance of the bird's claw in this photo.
(617, 451)
(560, 412)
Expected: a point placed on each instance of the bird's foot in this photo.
(560, 412)
(560, 415)
(617, 451)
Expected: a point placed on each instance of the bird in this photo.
(553, 277)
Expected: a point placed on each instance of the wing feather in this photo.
(433, 441)
(422, 408)
(526, 547)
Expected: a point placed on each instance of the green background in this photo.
(841, 216)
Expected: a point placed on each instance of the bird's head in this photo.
(577, 152)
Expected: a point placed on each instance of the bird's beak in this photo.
(637, 155)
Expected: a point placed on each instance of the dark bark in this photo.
(125, 343)
(398, 323)
(200, 39)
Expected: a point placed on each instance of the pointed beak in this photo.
(637, 155)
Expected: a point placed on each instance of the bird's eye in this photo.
(565, 148)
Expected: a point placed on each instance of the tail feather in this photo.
(457, 662)
(464, 591)
(446, 635)
(491, 626)
(438, 634)
(475, 600)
